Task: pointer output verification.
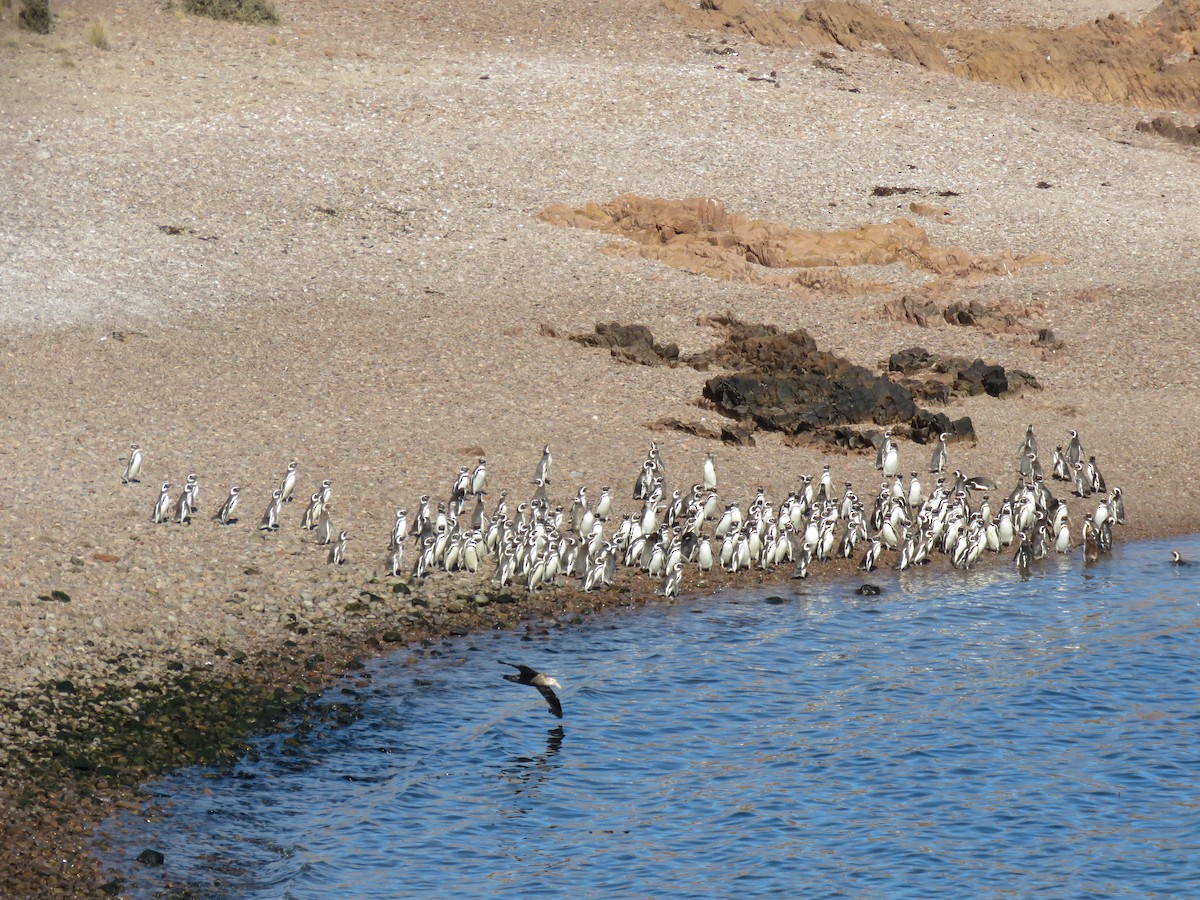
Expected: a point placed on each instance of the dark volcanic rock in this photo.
(781, 381)
(634, 343)
(937, 379)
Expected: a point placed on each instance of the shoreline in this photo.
(204, 715)
(324, 240)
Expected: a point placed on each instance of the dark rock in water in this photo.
(775, 600)
(869, 590)
(634, 343)
(151, 858)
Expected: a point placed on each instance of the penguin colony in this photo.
(536, 543)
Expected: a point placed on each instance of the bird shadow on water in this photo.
(526, 774)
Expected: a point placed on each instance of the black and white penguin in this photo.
(287, 484)
(542, 473)
(133, 466)
(225, 515)
(162, 508)
(270, 518)
(337, 553)
(1074, 451)
(937, 462)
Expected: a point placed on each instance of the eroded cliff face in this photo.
(1155, 62)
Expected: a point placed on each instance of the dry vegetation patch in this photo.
(698, 235)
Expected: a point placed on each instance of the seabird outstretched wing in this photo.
(552, 699)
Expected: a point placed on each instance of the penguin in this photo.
(881, 451)
(891, 459)
(704, 555)
(915, 497)
(871, 558)
(337, 553)
(270, 519)
(325, 527)
(670, 585)
(1024, 555)
(937, 462)
(1029, 444)
(1094, 478)
(710, 473)
(312, 513)
(1116, 505)
(462, 487)
(162, 508)
(1074, 451)
(133, 466)
(183, 506)
(542, 474)
(825, 489)
(194, 493)
(479, 478)
(395, 560)
(603, 505)
(1082, 487)
(539, 494)
(1062, 543)
(1059, 472)
(645, 481)
(479, 515)
(399, 527)
(654, 457)
(288, 484)
(1178, 560)
(225, 515)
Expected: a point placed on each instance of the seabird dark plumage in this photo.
(543, 683)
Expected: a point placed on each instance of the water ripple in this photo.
(955, 735)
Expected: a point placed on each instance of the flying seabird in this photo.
(543, 683)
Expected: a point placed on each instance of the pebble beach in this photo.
(323, 241)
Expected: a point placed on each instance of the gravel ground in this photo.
(319, 241)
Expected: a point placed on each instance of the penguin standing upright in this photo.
(937, 462)
(325, 527)
(542, 472)
(710, 473)
(479, 477)
(891, 459)
(162, 508)
(183, 506)
(1116, 505)
(225, 515)
(194, 493)
(270, 518)
(288, 484)
(603, 505)
(133, 467)
(337, 553)
(1074, 451)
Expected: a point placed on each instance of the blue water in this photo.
(958, 735)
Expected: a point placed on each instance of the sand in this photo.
(321, 241)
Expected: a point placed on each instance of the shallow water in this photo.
(957, 735)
